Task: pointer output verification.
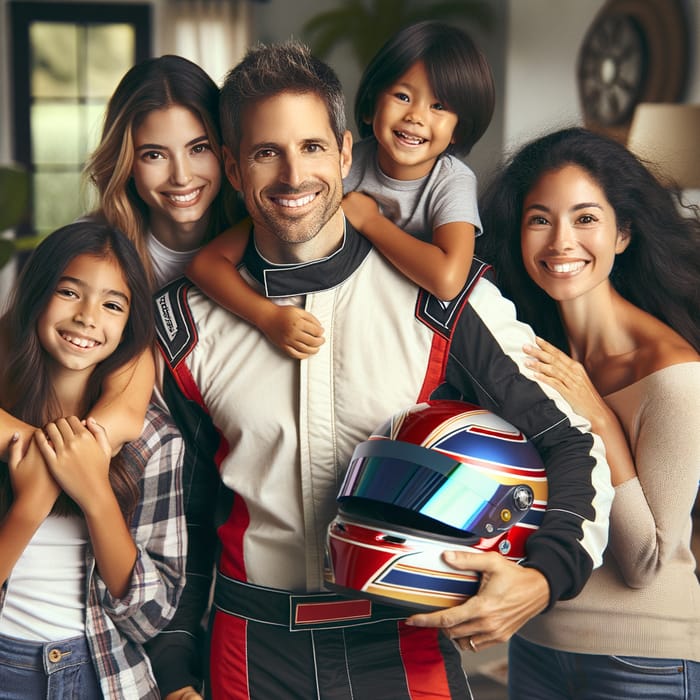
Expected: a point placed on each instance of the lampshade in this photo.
(668, 136)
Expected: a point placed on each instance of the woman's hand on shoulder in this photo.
(556, 369)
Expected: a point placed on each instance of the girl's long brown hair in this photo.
(26, 390)
(153, 84)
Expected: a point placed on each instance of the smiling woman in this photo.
(177, 175)
(599, 259)
(157, 168)
(570, 235)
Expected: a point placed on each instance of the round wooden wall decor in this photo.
(634, 51)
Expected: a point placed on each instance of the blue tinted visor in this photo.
(417, 487)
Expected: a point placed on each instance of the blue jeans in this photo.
(540, 673)
(47, 671)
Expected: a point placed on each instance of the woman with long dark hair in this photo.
(158, 167)
(603, 261)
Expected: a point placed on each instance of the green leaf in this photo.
(14, 195)
(367, 26)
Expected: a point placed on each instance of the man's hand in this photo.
(188, 693)
(509, 595)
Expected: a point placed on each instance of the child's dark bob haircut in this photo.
(458, 72)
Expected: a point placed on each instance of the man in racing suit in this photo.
(281, 431)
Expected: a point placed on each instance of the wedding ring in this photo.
(472, 645)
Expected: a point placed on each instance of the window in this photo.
(67, 60)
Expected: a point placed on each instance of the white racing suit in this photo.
(281, 433)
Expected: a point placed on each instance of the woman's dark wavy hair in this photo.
(458, 72)
(25, 385)
(658, 272)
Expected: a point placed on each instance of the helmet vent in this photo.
(393, 539)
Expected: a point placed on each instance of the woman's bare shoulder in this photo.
(663, 347)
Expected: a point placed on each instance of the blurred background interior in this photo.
(556, 64)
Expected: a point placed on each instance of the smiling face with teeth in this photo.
(176, 174)
(289, 169)
(411, 125)
(569, 234)
(85, 317)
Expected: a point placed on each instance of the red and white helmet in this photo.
(439, 475)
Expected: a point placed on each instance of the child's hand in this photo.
(360, 208)
(78, 457)
(32, 482)
(293, 330)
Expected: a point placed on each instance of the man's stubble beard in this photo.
(292, 229)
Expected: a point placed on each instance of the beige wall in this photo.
(532, 51)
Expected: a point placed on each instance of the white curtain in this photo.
(213, 33)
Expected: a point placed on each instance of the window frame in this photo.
(22, 14)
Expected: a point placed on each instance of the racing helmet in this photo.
(439, 475)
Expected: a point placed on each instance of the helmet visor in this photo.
(424, 489)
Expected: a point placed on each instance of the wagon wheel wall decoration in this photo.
(635, 51)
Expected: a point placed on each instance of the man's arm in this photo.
(176, 653)
(509, 596)
(487, 357)
(487, 361)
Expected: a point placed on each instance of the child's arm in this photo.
(214, 270)
(78, 457)
(9, 427)
(126, 393)
(441, 266)
(34, 493)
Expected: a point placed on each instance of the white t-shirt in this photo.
(45, 599)
(445, 195)
(167, 264)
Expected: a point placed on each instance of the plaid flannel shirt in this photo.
(116, 629)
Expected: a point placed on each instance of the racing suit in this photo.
(281, 433)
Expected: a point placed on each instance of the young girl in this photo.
(427, 96)
(92, 551)
(599, 259)
(141, 135)
(157, 172)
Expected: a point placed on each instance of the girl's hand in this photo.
(33, 487)
(360, 208)
(568, 377)
(78, 457)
